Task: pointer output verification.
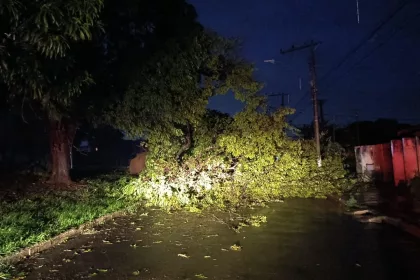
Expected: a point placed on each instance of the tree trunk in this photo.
(61, 141)
(187, 143)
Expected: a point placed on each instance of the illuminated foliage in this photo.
(149, 68)
(240, 161)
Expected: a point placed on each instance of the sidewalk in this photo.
(387, 206)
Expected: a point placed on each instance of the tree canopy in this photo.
(37, 65)
(147, 67)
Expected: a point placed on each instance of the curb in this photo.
(397, 222)
(45, 245)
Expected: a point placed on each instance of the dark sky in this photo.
(381, 79)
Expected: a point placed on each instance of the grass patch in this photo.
(41, 216)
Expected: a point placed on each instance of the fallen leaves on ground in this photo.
(236, 247)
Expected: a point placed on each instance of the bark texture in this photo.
(187, 143)
(61, 141)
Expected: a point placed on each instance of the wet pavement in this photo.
(303, 239)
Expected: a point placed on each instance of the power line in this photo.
(366, 39)
(385, 42)
(301, 99)
(368, 55)
(355, 49)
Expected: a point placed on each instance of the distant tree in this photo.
(144, 66)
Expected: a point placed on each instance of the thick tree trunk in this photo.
(61, 141)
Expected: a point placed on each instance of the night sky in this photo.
(379, 80)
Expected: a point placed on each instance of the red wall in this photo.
(382, 161)
(418, 152)
(398, 161)
(386, 163)
(410, 158)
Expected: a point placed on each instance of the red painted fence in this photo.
(398, 161)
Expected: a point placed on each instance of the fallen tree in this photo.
(238, 161)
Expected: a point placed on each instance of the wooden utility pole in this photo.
(314, 91)
(321, 103)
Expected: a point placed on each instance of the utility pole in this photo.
(314, 90)
(321, 103)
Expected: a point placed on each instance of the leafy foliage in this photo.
(240, 161)
(112, 62)
(49, 26)
(164, 99)
(149, 68)
(35, 62)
